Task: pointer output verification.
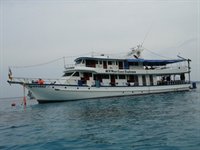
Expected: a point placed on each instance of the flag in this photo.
(9, 74)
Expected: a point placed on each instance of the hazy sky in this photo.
(37, 31)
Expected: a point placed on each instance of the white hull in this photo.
(52, 93)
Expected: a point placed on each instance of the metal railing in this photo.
(70, 66)
(175, 82)
(35, 80)
(22, 80)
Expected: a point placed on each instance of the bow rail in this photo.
(23, 80)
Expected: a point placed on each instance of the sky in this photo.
(38, 31)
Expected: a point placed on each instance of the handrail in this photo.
(70, 66)
(34, 80)
(22, 80)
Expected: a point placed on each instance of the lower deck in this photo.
(69, 93)
(92, 79)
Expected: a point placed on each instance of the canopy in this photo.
(147, 62)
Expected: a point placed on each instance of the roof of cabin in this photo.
(146, 62)
(98, 58)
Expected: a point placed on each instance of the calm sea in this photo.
(161, 121)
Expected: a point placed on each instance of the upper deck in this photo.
(109, 65)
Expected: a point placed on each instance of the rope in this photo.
(63, 58)
(156, 54)
(45, 63)
(37, 65)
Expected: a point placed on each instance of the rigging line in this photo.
(8, 98)
(77, 55)
(110, 54)
(45, 63)
(147, 33)
(157, 54)
(36, 65)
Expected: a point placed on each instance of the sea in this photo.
(168, 121)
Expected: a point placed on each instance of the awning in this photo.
(147, 62)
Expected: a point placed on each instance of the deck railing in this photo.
(35, 80)
(172, 82)
(70, 66)
(66, 82)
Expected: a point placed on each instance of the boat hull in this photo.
(58, 93)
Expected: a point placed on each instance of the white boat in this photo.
(104, 76)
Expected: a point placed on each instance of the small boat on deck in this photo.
(105, 76)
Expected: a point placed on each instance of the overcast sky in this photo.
(37, 31)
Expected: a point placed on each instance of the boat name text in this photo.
(120, 71)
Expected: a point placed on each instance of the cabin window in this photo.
(120, 65)
(100, 62)
(97, 77)
(86, 76)
(126, 65)
(151, 79)
(91, 63)
(76, 74)
(130, 63)
(112, 80)
(67, 74)
(182, 77)
(79, 61)
(105, 76)
(122, 77)
(109, 62)
(132, 78)
(104, 64)
(144, 80)
(71, 73)
(133, 63)
(96, 62)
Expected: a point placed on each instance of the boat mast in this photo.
(188, 60)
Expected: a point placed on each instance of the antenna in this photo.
(64, 62)
(136, 52)
(181, 57)
(147, 33)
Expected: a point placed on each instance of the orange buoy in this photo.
(40, 81)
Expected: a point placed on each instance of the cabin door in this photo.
(120, 65)
(104, 64)
(151, 79)
(112, 80)
(144, 80)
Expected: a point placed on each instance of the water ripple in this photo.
(161, 121)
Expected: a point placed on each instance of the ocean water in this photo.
(158, 122)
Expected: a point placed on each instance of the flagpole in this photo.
(24, 98)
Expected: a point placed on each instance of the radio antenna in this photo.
(147, 33)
